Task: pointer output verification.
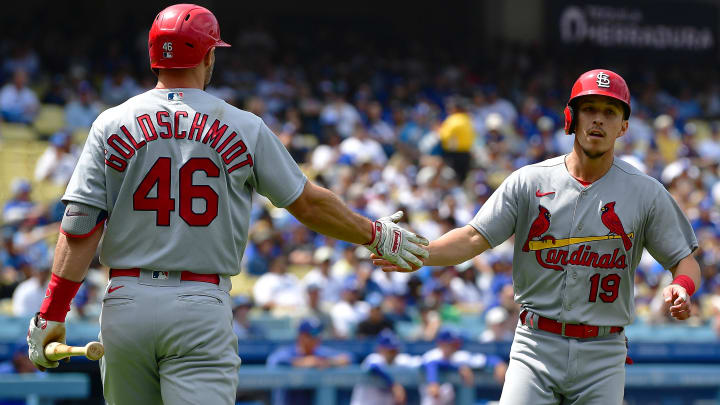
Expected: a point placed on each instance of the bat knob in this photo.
(94, 350)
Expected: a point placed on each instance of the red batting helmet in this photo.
(602, 82)
(181, 35)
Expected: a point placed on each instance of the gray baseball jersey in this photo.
(576, 247)
(175, 169)
(576, 250)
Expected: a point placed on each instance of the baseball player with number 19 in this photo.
(581, 222)
(172, 172)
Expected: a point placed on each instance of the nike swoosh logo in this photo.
(111, 289)
(75, 214)
(539, 194)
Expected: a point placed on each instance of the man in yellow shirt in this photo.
(457, 136)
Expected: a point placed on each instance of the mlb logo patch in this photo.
(177, 96)
(160, 275)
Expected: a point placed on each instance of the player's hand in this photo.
(433, 390)
(399, 247)
(40, 333)
(467, 375)
(398, 393)
(677, 302)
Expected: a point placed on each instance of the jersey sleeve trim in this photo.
(294, 196)
(92, 231)
(482, 232)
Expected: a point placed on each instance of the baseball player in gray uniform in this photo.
(169, 175)
(580, 222)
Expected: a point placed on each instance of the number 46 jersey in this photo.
(175, 170)
(577, 248)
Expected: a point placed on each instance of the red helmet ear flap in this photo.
(569, 118)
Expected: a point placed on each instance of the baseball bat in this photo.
(55, 351)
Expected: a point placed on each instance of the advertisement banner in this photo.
(637, 27)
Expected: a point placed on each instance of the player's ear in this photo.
(209, 58)
(623, 128)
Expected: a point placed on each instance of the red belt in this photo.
(573, 330)
(184, 275)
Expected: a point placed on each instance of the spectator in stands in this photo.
(307, 352)
(397, 308)
(58, 161)
(18, 364)
(262, 249)
(277, 290)
(380, 130)
(118, 87)
(667, 138)
(83, 110)
(464, 289)
(500, 327)
(340, 114)
(457, 136)
(361, 149)
(58, 93)
(30, 293)
(315, 308)
(15, 263)
(386, 354)
(347, 313)
(376, 321)
(321, 276)
(18, 103)
(19, 206)
(447, 356)
(243, 327)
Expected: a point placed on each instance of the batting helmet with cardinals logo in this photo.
(181, 35)
(601, 82)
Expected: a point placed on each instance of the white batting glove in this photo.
(40, 333)
(397, 245)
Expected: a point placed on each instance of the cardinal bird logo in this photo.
(538, 227)
(612, 222)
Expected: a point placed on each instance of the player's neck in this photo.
(180, 79)
(587, 169)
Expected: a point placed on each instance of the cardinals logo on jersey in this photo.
(549, 251)
(612, 222)
(538, 227)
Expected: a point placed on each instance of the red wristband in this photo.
(685, 282)
(58, 295)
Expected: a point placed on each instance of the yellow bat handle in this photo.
(55, 351)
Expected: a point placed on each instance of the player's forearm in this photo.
(322, 211)
(688, 267)
(73, 255)
(456, 246)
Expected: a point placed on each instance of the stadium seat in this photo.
(16, 132)
(50, 119)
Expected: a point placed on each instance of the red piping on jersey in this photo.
(583, 183)
(62, 231)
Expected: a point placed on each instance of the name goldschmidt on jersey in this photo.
(234, 153)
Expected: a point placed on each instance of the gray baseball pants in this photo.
(168, 341)
(549, 369)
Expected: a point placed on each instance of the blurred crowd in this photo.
(397, 128)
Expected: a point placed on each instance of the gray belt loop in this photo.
(603, 331)
(225, 283)
(562, 331)
(531, 320)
